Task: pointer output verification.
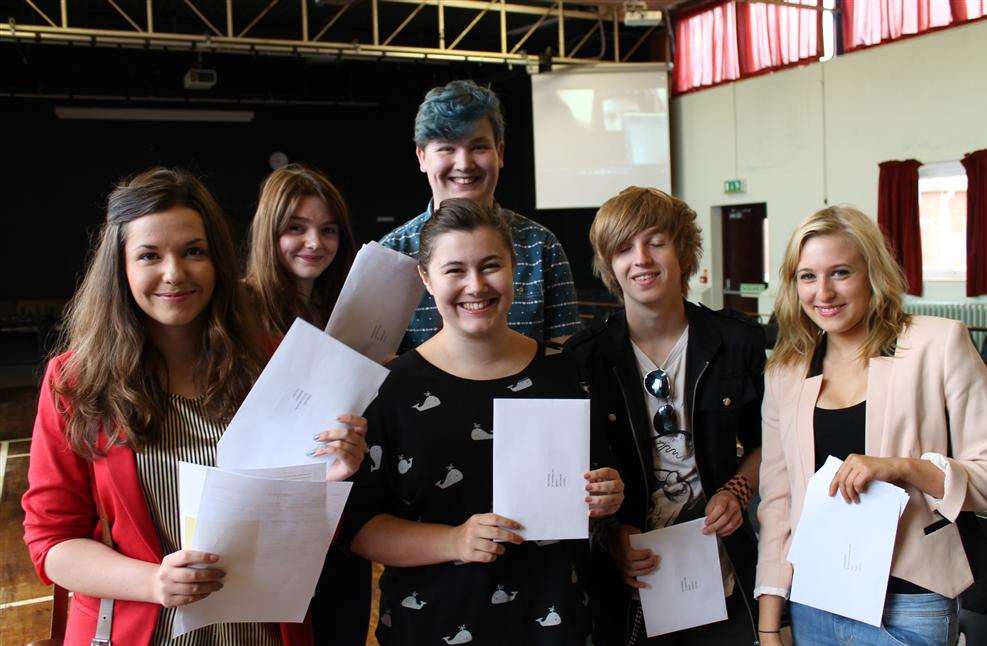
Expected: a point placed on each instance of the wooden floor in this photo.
(25, 604)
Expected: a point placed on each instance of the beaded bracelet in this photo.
(740, 487)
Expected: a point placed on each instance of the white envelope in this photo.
(841, 552)
(540, 453)
(311, 379)
(376, 302)
(687, 588)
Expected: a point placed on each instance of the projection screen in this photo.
(597, 131)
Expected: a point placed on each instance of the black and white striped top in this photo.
(187, 435)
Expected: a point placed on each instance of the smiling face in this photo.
(833, 286)
(466, 168)
(310, 240)
(168, 266)
(470, 276)
(647, 270)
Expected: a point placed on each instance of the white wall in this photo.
(923, 98)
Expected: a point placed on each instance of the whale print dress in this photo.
(431, 460)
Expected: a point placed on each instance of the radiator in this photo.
(974, 314)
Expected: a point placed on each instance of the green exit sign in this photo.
(734, 186)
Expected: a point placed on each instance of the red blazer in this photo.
(60, 505)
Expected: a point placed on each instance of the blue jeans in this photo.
(909, 620)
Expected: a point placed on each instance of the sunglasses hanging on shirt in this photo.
(659, 386)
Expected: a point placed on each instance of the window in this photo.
(942, 218)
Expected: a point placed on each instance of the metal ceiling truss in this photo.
(301, 38)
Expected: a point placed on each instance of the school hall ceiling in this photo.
(525, 32)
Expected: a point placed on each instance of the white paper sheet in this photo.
(540, 453)
(687, 588)
(311, 379)
(310, 472)
(841, 552)
(376, 302)
(271, 536)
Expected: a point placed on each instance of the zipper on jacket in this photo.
(644, 474)
(640, 458)
(736, 576)
(692, 404)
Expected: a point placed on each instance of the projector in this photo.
(637, 14)
(200, 79)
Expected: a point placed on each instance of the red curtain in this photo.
(968, 9)
(706, 47)
(976, 222)
(897, 215)
(773, 36)
(869, 22)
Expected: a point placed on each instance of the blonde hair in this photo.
(637, 209)
(797, 334)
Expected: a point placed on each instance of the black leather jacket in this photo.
(724, 386)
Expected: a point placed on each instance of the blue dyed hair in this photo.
(451, 111)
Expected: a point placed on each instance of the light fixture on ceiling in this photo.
(637, 14)
(199, 78)
(153, 114)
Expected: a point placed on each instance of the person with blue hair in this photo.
(459, 141)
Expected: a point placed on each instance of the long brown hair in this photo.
(112, 377)
(274, 289)
(886, 318)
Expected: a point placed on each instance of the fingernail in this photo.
(311, 453)
(317, 436)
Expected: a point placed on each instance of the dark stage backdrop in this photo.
(353, 119)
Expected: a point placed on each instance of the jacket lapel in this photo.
(119, 470)
(623, 359)
(805, 412)
(879, 374)
(704, 343)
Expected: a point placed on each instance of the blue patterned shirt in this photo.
(544, 295)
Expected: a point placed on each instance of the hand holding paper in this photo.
(271, 536)
(346, 446)
(841, 552)
(632, 562)
(310, 381)
(475, 541)
(687, 589)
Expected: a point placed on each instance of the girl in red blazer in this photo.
(157, 355)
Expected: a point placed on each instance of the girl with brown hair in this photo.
(301, 248)
(157, 355)
(454, 572)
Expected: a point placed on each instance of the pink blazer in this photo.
(935, 373)
(60, 504)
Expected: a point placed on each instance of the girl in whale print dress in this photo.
(455, 573)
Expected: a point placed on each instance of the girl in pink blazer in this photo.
(899, 398)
